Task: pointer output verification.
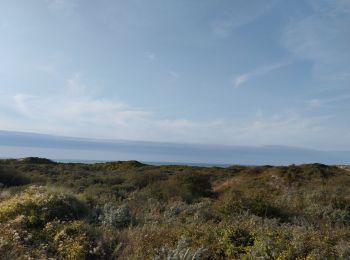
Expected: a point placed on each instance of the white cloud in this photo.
(243, 78)
(81, 113)
(75, 108)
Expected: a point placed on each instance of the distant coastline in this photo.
(21, 144)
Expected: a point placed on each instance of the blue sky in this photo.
(211, 71)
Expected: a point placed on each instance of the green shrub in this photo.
(11, 177)
(187, 186)
(142, 179)
(198, 184)
(236, 241)
(237, 203)
(39, 205)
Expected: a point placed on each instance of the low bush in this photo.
(115, 216)
(235, 203)
(128, 210)
(186, 186)
(38, 205)
(11, 177)
(235, 242)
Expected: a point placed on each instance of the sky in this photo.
(274, 72)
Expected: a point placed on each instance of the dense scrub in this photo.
(129, 210)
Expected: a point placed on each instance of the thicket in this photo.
(129, 210)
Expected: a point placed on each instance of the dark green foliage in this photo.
(119, 165)
(259, 204)
(140, 180)
(187, 186)
(36, 160)
(191, 186)
(11, 177)
(295, 173)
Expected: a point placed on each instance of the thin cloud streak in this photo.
(242, 79)
(316, 103)
(223, 27)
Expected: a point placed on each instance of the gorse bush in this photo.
(38, 205)
(71, 241)
(46, 220)
(236, 241)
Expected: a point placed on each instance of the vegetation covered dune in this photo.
(129, 210)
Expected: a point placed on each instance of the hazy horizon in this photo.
(20, 144)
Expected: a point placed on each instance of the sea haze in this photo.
(19, 144)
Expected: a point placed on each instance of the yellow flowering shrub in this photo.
(71, 241)
(38, 205)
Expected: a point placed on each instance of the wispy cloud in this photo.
(330, 7)
(150, 55)
(174, 75)
(223, 26)
(80, 113)
(75, 86)
(77, 111)
(20, 102)
(316, 102)
(243, 78)
(75, 107)
(322, 38)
